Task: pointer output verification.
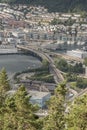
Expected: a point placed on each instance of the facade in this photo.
(86, 71)
(39, 98)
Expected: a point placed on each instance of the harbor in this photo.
(14, 63)
(8, 49)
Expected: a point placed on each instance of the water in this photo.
(18, 62)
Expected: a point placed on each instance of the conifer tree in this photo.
(4, 87)
(56, 110)
(19, 114)
(4, 83)
(77, 118)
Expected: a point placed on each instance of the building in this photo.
(36, 97)
(77, 53)
(39, 98)
(86, 71)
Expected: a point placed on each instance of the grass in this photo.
(73, 86)
(43, 77)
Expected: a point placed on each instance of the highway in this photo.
(57, 74)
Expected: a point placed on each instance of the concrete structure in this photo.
(77, 53)
(8, 49)
(86, 71)
(39, 98)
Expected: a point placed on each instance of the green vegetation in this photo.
(56, 118)
(72, 72)
(78, 82)
(17, 113)
(68, 22)
(43, 77)
(4, 84)
(43, 74)
(77, 117)
(40, 74)
(73, 85)
(70, 77)
(81, 83)
(65, 67)
(55, 5)
(85, 61)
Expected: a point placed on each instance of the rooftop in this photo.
(77, 51)
(37, 94)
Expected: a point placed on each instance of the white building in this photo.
(36, 97)
(77, 53)
(86, 71)
(39, 98)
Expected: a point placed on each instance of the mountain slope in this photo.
(56, 5)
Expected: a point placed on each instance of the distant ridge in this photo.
(55, 5)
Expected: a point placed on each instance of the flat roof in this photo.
(38, 94)
(78, 51)
(33, 94)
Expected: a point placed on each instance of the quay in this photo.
(8, 49)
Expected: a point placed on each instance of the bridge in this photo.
(57, 74)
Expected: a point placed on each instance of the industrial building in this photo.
(39, 98)
(77, 53)
(36, 97)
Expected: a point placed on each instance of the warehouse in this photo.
(36, 97)
(39, 98)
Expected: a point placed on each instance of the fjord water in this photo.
(18, 62)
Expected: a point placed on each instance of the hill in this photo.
(55, 5)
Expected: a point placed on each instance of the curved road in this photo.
(57, 74)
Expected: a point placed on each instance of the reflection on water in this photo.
(16, 63)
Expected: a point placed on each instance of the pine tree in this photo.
(77, 118)
(4, 83)
(4, 87)
(19, 114)
(56, 117)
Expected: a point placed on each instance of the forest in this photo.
(54, 5)
(17, 113)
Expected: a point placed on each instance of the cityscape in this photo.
(43, 63)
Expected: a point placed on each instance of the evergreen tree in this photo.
(77, 118)
(4, 83)
(19, 113)
(56, 110)
(4, 87)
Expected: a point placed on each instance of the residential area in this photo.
(36, 27)
(22, 23)
(43, 65)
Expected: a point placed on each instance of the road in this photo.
(67, 57)
(57, 74)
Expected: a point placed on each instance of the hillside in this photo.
(55, 5)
